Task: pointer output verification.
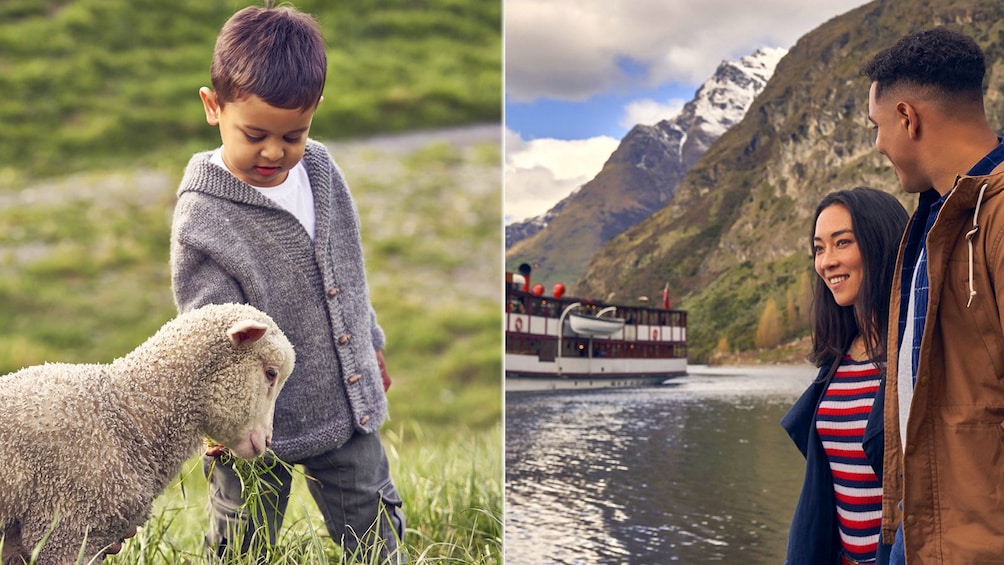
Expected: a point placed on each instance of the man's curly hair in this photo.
(948, 61)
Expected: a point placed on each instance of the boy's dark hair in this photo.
(276, 54)
(949, 61)
(878, 221)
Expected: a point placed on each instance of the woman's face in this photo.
(837, 256)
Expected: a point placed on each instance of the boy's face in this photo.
(261, 143)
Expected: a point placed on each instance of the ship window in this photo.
(522, 345)
(516, 305)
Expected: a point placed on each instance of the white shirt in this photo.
(293, 194)
(904, 372)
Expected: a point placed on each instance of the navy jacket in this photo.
(814, 538)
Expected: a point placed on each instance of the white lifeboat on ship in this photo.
(584, 324)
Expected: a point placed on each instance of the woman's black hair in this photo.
(878, 221)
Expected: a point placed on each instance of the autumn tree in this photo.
(799, 304)
(769, 330)
(722, 348)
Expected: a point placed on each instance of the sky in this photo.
(580, 73)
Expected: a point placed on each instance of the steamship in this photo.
(558, 342)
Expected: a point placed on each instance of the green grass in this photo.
(451, 509)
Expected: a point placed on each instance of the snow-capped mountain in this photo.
(723, 100)
(640, 176)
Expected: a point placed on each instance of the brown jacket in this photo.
(950, 476)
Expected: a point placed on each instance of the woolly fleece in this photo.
(95, 444)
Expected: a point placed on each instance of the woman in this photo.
(838, 515)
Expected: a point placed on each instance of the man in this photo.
(943, 480)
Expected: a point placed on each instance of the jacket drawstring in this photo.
(970, 235)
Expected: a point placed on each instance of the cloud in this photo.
(650, 112)
(540, 172)
(574, 49)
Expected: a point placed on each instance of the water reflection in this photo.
(694, 471)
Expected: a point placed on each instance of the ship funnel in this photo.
(524, 269)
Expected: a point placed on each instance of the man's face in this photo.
(892, 138)
(261, 143)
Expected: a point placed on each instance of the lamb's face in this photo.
(249, 388)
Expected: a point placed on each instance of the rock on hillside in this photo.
(640, 177)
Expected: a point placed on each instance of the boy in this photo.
(267, 220)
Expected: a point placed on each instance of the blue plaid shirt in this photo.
(920, 291)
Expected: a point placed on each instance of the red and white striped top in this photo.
(840, 423)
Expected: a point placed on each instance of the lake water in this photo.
(694, 471)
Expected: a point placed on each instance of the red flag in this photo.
(665, 296)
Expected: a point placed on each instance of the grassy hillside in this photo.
(93, 84)
(101, 112)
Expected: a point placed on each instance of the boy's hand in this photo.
(116, 547)
(383, 370)
(213, 449)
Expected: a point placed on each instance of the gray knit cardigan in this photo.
(229, 243)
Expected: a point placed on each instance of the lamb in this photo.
(85, 449)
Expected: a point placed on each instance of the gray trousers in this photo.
(351, 486)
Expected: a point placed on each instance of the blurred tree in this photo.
(769, 329)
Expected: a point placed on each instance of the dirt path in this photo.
(464, 136)
(148, 184)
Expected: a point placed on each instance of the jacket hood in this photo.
(969, 194)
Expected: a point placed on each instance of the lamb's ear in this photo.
(246, 331)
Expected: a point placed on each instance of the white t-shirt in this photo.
(904, 372)
(293, 194)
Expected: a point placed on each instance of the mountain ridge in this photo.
(735, 236)
(640, 176)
